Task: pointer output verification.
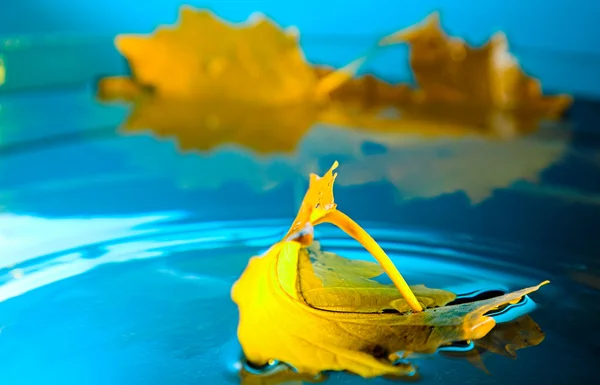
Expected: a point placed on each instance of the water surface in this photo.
(118, 249)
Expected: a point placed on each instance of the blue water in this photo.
(118, 250)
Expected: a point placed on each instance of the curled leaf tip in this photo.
(317, 203)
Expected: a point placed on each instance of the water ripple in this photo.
(453, 262)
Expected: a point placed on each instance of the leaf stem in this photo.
(337, 78)
(354, 230)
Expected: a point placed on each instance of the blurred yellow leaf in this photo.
(458, 99)
(204, 61)
(447, 70)
(206, 57)
(278, 322)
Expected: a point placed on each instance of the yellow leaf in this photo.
(204, 56)
(448, 70)
(185, 63)
(277, 322)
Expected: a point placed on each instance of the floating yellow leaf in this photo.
(205, 57)
(258, 64)
(447, 70)
(204, 121)
(277, 322)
